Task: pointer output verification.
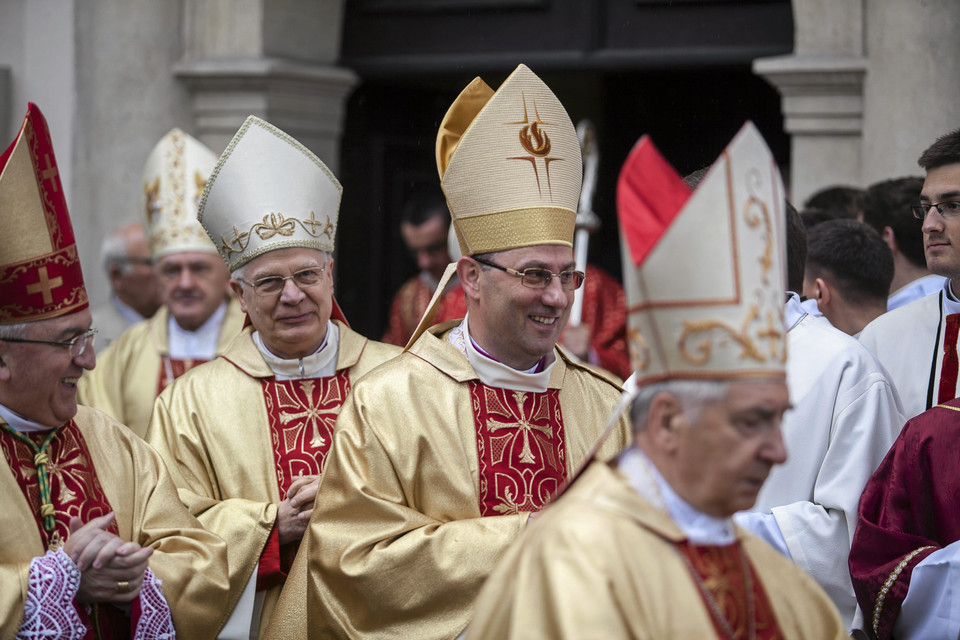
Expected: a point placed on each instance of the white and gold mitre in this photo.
(174, 176)
(704, 272)
(509, 165)
(269, 192)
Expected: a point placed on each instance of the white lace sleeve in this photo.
(155, 622)
(49, 611)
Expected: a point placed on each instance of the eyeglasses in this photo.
(945, 209)
(75, 346)
(273, 285)
(145, 261)
(537, 278)
(196, 269)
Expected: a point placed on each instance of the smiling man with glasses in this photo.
(246, 436)
(95, 541)
(198, 318)
(442, 454)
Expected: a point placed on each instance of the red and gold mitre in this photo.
(174, 177)
(510, 166)
(40, 273)
(704, 271)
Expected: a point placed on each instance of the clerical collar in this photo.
(128, 313)
(19, 423)
(200, 344)
(644, 478)
(494, 373)
(794, 312)
(950, 302)
(321, 363)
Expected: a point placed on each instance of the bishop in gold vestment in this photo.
(136, 367)
(603, 562)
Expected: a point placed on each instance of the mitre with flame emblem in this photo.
(704, 271)
(40, 273)
(510, 166)
(269, 192)
(174, 177)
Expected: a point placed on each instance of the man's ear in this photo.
(663, 421)
(890, 238)
(469, 273)
(825, 293)
(237, 288)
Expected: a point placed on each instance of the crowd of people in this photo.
(753, 443)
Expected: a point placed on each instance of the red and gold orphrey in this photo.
(74, 487)
(520, 446)
(40, 274)
(173, 368)
(720, 570)
(301, 414)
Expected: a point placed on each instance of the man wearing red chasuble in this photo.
(442, 454)
(94, 542)
(905, 561)
(645, 546)
(248, 465)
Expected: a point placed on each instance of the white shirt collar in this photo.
(128, 313)
(19, 423)
(497, 374)
(644, 478)
(322, 363)
(793, 312)
(950, 302)
(200, 344)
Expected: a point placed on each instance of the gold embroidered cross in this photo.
(50, 173)
(45, 285)
(311, 413)
(523, 426)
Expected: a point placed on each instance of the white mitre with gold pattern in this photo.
(269, 192)
(704, 272)
(173, 179)
(510, 166)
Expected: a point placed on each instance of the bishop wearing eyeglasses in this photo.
(442, 454)
(94, 542)
(249, 464)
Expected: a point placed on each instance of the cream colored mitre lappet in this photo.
(510, 166)
(704, 272)
(269, 192)
(174, 177)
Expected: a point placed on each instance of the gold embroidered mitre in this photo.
(174, 177)
(510, 166)
(704, 272)
(269, 192)
(40, 273)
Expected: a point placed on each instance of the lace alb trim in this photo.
(49, 611)
(155, 622)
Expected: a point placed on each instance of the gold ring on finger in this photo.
(123, 586)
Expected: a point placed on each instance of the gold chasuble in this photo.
(400, 543)
(96, 466)
(604, 562)
(137, 366)
(234, 459)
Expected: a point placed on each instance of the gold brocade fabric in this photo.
(125, 382)
(190, 561)
(600, 563)
(397, 545)
(212, 429)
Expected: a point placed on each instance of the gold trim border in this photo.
(515, 228)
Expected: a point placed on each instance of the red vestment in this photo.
(907, 511)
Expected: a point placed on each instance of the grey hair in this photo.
(17, 330)
(693, 396)
(114, 251)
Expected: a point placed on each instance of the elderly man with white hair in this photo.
(246, 436)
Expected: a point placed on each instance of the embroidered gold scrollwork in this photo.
(273, 224)
(237, 244)
(704, 348)
(638, 350)
(756, 214)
